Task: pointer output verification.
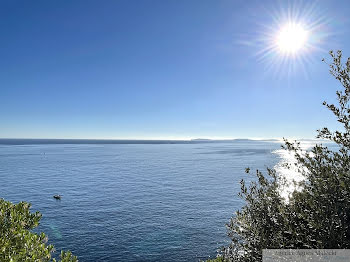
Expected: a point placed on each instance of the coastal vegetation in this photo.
(316, 214)
(17, 240)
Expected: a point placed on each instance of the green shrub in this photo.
(18, 242)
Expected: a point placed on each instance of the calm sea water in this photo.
(133, 202)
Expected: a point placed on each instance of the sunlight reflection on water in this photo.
(288, 169)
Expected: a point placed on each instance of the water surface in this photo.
(133, 202)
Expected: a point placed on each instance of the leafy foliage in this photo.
(317, 213)
(18, 242)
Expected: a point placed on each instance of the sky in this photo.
(166, 69)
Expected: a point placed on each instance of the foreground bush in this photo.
(317, 215)
(18, 242)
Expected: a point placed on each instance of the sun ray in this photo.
(288, 43)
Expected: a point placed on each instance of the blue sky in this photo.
(164, 69)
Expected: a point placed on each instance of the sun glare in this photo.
(291, 38)
(288, 41)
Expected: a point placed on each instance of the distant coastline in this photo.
(34, 141)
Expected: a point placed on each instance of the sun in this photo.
(291, 38)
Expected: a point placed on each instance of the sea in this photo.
(125, 200)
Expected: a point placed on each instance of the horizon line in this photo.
(163, 139)
(143, 139)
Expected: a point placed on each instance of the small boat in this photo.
(57, 197)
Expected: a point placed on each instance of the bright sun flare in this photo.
(291, 38)
(287, 42)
